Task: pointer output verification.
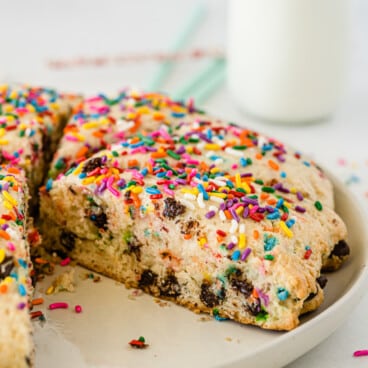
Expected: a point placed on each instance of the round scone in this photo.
(212, 216)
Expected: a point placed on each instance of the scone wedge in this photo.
(157, 212)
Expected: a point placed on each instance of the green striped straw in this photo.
(203, 94)
(181, 41)
(204, 83)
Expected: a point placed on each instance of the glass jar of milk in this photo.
(287, 58)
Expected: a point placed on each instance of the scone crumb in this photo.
(64, 282)
(161, 303)
(205, 319)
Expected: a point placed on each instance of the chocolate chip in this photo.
(173, 208)
(254, 306)
(71, 190)
(241, 285)
(148, 278)
(188, 227)
(341, 249)
(170, 286)
(134, 245)
(67, 240)
(6, 267)
(322, 281)
(208, 297)
(100, 220)
(310, 297)
(61, 253)
(92, 164)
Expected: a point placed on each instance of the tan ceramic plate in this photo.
(112, 316)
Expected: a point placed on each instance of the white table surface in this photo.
(34, 32)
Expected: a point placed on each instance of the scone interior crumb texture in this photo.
(160, 196)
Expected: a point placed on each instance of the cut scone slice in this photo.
(99, 121)
(192, 233)
(218, 151)
(16, 346)
(31, 123)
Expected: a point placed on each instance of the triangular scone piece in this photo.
(99, 121)
(31, 123)
(211, 237)
(16, 346)
(217, 147)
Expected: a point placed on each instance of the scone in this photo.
(99, 121)
(16, 346)
(193, 214)
(31, 123)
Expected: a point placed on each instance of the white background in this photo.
(34, 32)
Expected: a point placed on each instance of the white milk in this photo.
(287, 58)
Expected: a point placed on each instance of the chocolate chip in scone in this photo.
(133, 244)
(67, 240)
(71, 190)
(92, 164)
(341, 249)
(100, 220)
(310, 297)
(173, 208)
(254, 306)
(188, 227)
(61, 253)
(322, 281)
(148, 278)
(207, 296)
(242, 286)
(170, 286)
(6, 267)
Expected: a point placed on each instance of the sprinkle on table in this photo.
(36, 314)
(139, 343)
(78, 308)
(359, 353)
(65, 261)
(58, 305)
(37, 301)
